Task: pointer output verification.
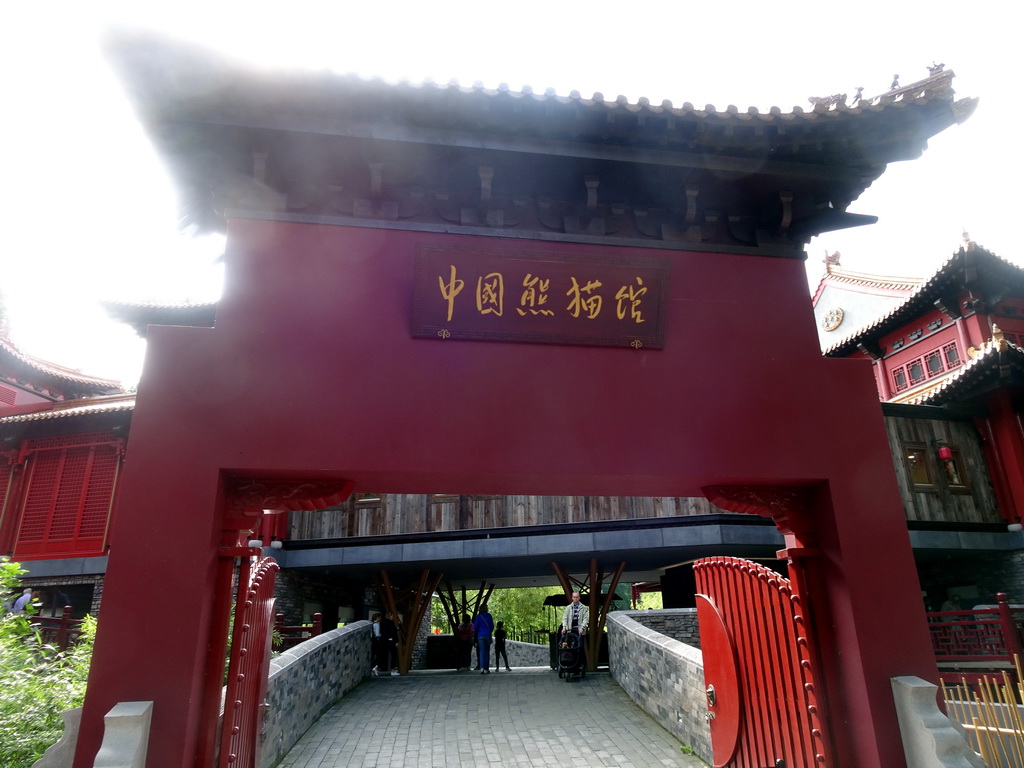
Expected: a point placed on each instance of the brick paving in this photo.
(527, 717)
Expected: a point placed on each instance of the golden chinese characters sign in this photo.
(553, 298)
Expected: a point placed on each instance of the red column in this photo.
(1009, 445)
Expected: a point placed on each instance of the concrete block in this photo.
(62, 754)
(125, 735)
(929, 738)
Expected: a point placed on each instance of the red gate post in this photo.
(63, 626)
(857, 607)
(1011, 633)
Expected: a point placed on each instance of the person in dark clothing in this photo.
(375, 644)
(499, 647)
(388, 645)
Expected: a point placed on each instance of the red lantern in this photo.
(945, 453)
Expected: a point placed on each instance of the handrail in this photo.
(977, 634)
(293, 634)
(61, 631)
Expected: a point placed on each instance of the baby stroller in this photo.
(571, 659)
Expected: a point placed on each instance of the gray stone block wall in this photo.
(307, 680)
(664, 676)
(678, 623)
(526, 654)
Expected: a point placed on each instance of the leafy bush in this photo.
(37, 682)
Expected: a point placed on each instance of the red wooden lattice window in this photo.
(934, 363)
(6, 482)
(67, 496)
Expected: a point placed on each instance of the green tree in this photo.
(523, 609)
(37, 682)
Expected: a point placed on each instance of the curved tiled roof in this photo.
(68, 381)
(246, 141)
(837, 274)
(948, 274)
(144, 314)
(70, 408)
(169, 80)
(990, 364)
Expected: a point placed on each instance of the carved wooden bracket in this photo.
(788, 506)
(251, 496)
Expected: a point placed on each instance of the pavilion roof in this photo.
(971, 266)
(997, 363)
(49, 378)
(849, 280)
(141, 315)
(67, 409)
(311, 144)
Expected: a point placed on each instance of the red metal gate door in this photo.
(249, 663)
(764, 705)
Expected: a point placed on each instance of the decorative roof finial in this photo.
(934, 69)
(832, 259)
(968, 243)
(895, 83)
(857, 95)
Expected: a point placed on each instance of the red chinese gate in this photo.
(765, 701)
(248, 666)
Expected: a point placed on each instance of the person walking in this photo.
(484, 626)
(21, 604)
(499, 647)
(576, 619)
(388, 645)
(464, 642)
(375, 644)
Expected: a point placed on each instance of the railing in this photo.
(287, 636)
(535, 636)
(60, 631)
(984, 635)
(990, 716)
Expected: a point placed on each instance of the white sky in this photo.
(90, 213)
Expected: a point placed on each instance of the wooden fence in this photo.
(288, 635)
(59, 631)
(977, 641)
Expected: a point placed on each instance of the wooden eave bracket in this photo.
(870, 348)
(787, 506)
(948, 306)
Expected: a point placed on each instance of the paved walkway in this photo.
(527, 717)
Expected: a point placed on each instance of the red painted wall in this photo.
(311, 371)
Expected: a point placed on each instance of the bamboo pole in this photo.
(987, 726)
(982, 750)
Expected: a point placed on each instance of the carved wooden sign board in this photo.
(552, 298)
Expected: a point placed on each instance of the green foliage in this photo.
(37, 682)
(523, 609)
(649, 601)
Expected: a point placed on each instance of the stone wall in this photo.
(526, 654)
(665, 677)
(307, 680)
(678, 623)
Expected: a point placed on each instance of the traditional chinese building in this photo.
(62, 438)
(384, 351)
(946, 354)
